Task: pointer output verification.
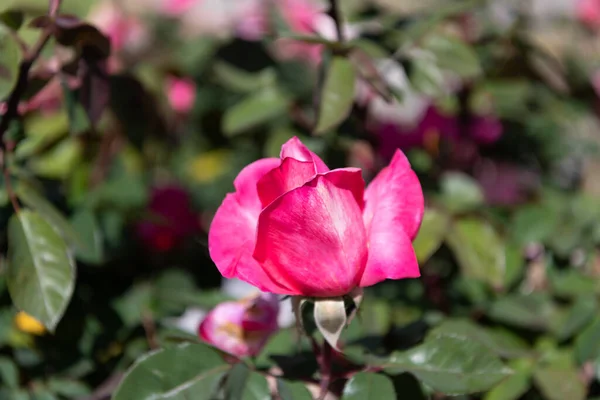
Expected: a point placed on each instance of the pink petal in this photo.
(312, 238)
(393, 212)
(232, 234)
(290, 175)
(294, 148)
(246, 181)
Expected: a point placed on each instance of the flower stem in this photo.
(325, 361)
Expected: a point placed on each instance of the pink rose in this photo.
(588, 12)
(181, 93)
(241, 327)
(295, 227)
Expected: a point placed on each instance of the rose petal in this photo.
(232, 235)
(290, 175)
(312, 238)
(294, 148)
(396, 193)
(393, 212)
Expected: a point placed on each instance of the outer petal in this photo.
(393, 213)
(290, 175)
(232, 235)
(312, 239)
(294, 148)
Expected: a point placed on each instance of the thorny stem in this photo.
(325, 361)
(12, 105)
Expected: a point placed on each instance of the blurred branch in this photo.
(334, 13)
(12, 105)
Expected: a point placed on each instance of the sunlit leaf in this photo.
(337, 94)
(369, 386)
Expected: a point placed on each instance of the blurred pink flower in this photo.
(434, 128)
(181, 93)
(295, 227)
(172, 219)
(504, 183)
(176, 7)
(242, 327)
(588, 12)
(126, 32)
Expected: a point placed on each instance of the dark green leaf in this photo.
(587, 343)
(41, 270)
(575, 317)
(254, 110)
(13, 19)
(526, 311)
(9, 373)
(479, 250)
(78, 119)
(187, 371)
(86, 224)
(337, 95)
(451, 364)
(292, 390)
(369, 386)
(10, 57)
(243, 384)
(516, 385)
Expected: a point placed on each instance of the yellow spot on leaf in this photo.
(26, 323)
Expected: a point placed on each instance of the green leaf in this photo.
(254, 110)
(293, 390)
(575, 318)
(431, 234)
(533, 224)
(525, 311)
(516, 385)
(59, 161)
(79, 121)
(451, 364)
(13, 19)
(10, 57)
(243, 384)
(242, 81)
(9, 373)
(337, 95)
(559, 383)
(460, 192)
(587, 343)
(369, 386)
(187, 371)
(479, 250)
(86, 224)
(68, 388)
(502, 342)
(454, 55)
(33, 199)
(41, 270)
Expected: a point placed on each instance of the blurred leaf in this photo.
(525, 311)
(587, 343)
(12, 19)
(242, 81)
(533, 224)
(293, 390)
(78, 119)
(452, 54)
(431, 234)
(243, 384)
(502, 342)
(460, 192)
(86, 225)
(186, 371)
(9, 373)
(559, 383)
(508, 98)
(479, 250)
(337, 94)
(135, 304)
(42, 132)
(41, 271)
(516, 385)
(572, 283)
(281, 343)
(369, 386)
(575, 317)
(59, 161)
(254, 110)
(10, 57)
(68, 388)
(451, 364)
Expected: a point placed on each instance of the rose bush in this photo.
(295, 227)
